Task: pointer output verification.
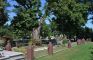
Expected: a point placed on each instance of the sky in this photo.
(89, 23)
(10, 8)
(12, 14)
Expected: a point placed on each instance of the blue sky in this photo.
(89, 23)
(12, 14)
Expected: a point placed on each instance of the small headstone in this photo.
(8, 47)
(50, 48)
(78, 41)
(83, 41)
(30, 53)
(69, 44)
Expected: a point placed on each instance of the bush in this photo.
(64, 41)
(1, 43)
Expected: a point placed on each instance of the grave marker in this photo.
(8, 47)
(69, 44)
(78, 41)
(30, 52)
(83, 41)
(50, 48)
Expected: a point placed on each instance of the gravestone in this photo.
(30, 53)
(78, 41)
(8, 46)
(50, 48)
(69, 44)
(83, 41)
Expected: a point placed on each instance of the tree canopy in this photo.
(3, 14)
(66, 16)
(28, 14)
(70, 15)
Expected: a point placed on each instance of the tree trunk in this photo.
(36, 36)
(36, 32)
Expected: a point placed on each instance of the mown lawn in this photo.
(81, 52)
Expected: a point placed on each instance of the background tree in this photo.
(70, 15)
(4, 28)
(3, 14)
(6, 31)
(45, 30)
(87, 32)
(29, 17)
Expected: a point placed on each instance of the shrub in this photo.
(64, 41)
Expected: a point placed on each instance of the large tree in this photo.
(29, 17)
(70, 15)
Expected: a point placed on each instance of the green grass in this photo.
(82, 52)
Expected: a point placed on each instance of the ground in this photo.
(81, 52)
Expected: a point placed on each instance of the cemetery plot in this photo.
(81, 52)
